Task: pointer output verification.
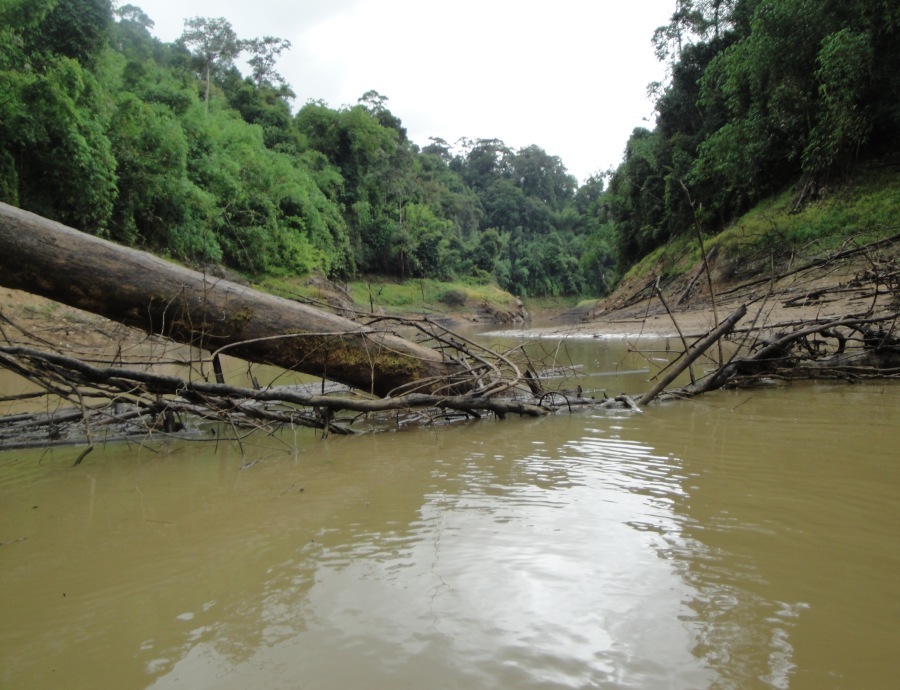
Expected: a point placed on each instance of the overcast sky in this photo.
(568, 75)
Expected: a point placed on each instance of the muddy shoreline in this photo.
(817, 293)
(820, 294)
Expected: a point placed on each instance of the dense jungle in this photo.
(670, 485)
(169, 147)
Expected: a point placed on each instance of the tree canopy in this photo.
(169, 147)
(762, 94)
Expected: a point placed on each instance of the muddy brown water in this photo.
(749, 539)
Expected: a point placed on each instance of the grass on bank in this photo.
(426, 294)
(422, 296)
(863, 209)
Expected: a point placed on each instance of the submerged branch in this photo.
(115, 400)
(91, 398)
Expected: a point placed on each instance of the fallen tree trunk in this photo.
(47, 258)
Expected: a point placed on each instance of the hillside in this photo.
(777, 113)
(828, 259)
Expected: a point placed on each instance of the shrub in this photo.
(454, 298)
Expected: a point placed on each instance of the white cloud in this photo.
(569, 75)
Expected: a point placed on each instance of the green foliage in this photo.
(427, 240)
(151, 154)
(77, 29)
(487, 251)
(843, 126)
(442, 215)
(58, 159)
(598, 260)
(763, 94)
(17, 17)
(168, 147)
(275, 219)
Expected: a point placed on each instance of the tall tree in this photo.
(214, 43)
(264, 53)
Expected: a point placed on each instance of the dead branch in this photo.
(695, 352)
(684, 342)
(875, 353)
(115, 401)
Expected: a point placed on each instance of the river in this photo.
(746, 539)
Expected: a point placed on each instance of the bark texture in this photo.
(47, 258)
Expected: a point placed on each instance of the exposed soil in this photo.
(31, 321)
(804, 292)
(58, 325)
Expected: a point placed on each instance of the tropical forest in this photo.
(170, 148)
(292, 398)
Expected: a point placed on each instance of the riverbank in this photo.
(828, 317)
(660, 302)
(58, 325)
(851, 282)
(821, 291)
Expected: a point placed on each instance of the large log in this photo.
(47, 258)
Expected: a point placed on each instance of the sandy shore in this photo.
(649, 319)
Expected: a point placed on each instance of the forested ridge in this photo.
(763, 96)
(169, 147)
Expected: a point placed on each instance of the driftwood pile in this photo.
(86, 401)
(81, 397)
(853, 334)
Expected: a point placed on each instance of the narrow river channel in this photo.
(747, 539)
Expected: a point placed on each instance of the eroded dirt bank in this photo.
(816, 290)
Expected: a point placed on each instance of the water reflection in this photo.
(518, 571)
(727, 622)
(790, 503)
(749, 541)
